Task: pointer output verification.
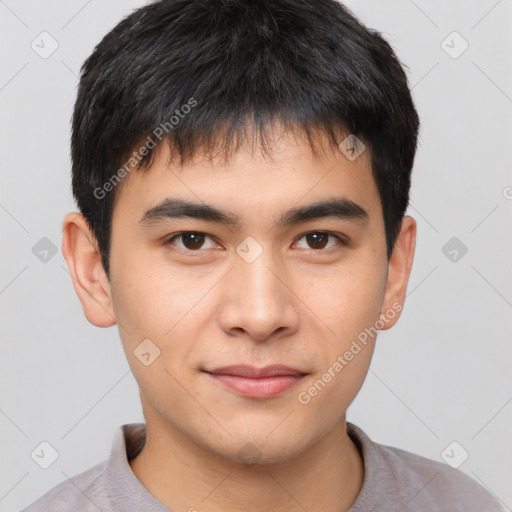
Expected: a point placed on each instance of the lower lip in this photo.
(262, 387)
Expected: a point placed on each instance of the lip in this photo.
(253, 372)
(254, 382)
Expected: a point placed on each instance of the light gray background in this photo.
(442, 374)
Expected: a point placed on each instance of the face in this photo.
(266, 288)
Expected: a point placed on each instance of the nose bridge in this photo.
(256, 300)
(255, 277)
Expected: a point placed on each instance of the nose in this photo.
(257, 301)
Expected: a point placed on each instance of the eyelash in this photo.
(341, 240)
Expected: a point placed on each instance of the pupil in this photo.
(313, 240)
(193, 240)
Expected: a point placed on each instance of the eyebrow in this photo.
(335, 208)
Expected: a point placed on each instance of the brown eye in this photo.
(190, 241)
(319, 240)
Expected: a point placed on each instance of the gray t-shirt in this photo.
(394, 480)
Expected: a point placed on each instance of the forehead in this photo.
(251, 180)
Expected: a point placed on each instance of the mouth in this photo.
(252, 382)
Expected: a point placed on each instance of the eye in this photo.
(190, 240)
(318, 240)
(194, 241)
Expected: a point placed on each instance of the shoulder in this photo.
(85, 492)
(437, 485)
(396, 476)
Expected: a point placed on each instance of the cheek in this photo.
(150, 299)
(151, 307)
(349, 302)
(166, 307)
(350, 307)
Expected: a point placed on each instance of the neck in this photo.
(182, 475)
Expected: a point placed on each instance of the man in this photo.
(242, 170)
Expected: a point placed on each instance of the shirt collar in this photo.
(376, 470)
(125, 489)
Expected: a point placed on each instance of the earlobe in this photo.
(400, 265)
(79, 248)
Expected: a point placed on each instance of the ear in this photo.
(80, 249)
(399, 270)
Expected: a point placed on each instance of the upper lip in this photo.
(251, 371)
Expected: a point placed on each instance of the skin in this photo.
(296, 304)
